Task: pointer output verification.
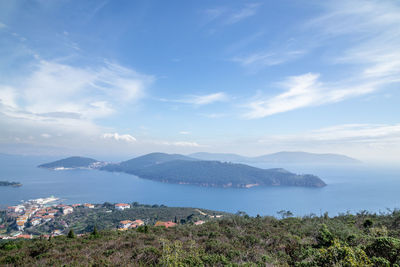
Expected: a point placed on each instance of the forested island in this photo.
(180, 169)
(7, 183)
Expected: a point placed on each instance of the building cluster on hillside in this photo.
(36, 212)
(39, 211)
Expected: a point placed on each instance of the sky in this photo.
(125, 78)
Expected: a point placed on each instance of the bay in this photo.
(350, 189)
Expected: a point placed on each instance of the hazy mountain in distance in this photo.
(226, 157)
(280, 158)
(305, 157)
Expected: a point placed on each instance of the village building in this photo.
(122, 206)
(67, 210)
(35, 221)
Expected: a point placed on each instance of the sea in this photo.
(350, 189)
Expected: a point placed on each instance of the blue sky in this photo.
(248, 77)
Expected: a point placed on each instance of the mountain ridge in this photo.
(284, 157)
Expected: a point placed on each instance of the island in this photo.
(180, 169)
(7, 183)
(73, 163)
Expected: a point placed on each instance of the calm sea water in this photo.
(350, 188)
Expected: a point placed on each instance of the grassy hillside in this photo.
(347, 240)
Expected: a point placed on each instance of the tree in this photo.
(285, 213)
(95, 232)
(71, 234)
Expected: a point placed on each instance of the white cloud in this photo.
(2, 25)
(214, 115)
(8, 97)
(262, 59)
(45, 135)
(200, 100)
(304, 91)
(184, 132)
(119, 137)
(374, 59)
(180, 144)
(247, 11)
(64, 102)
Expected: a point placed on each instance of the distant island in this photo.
(283, 157)
(7, 183)
(73, 163)
(180, 169)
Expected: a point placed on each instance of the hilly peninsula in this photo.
(180, 169)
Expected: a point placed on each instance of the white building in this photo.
(35, 222)
(67, 210)
(122, 206)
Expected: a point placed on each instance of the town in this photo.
(28, 219)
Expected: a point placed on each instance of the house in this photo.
(199, 222)
(138, 222)
(20, 225)
(67, 210)
(16, 209)
(25, 236)
(52, 212)
(35, 221)
(76, 205)
(89, 206)
(47, 218)
(123, 225)
(122, 206)
(57, 232)
(127, 224)
(165, 224)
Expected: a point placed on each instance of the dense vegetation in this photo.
(6, 183)
(181, 169)
(346, 240)
(71, 162)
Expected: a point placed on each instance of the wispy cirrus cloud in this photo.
(373, 62)
(228, 16)
(304, 91)
(247, 11)
(263, 59)
(200, 100)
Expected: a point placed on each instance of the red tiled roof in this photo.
(121, 205)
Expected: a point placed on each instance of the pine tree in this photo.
(95, 232)
(71, 234)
